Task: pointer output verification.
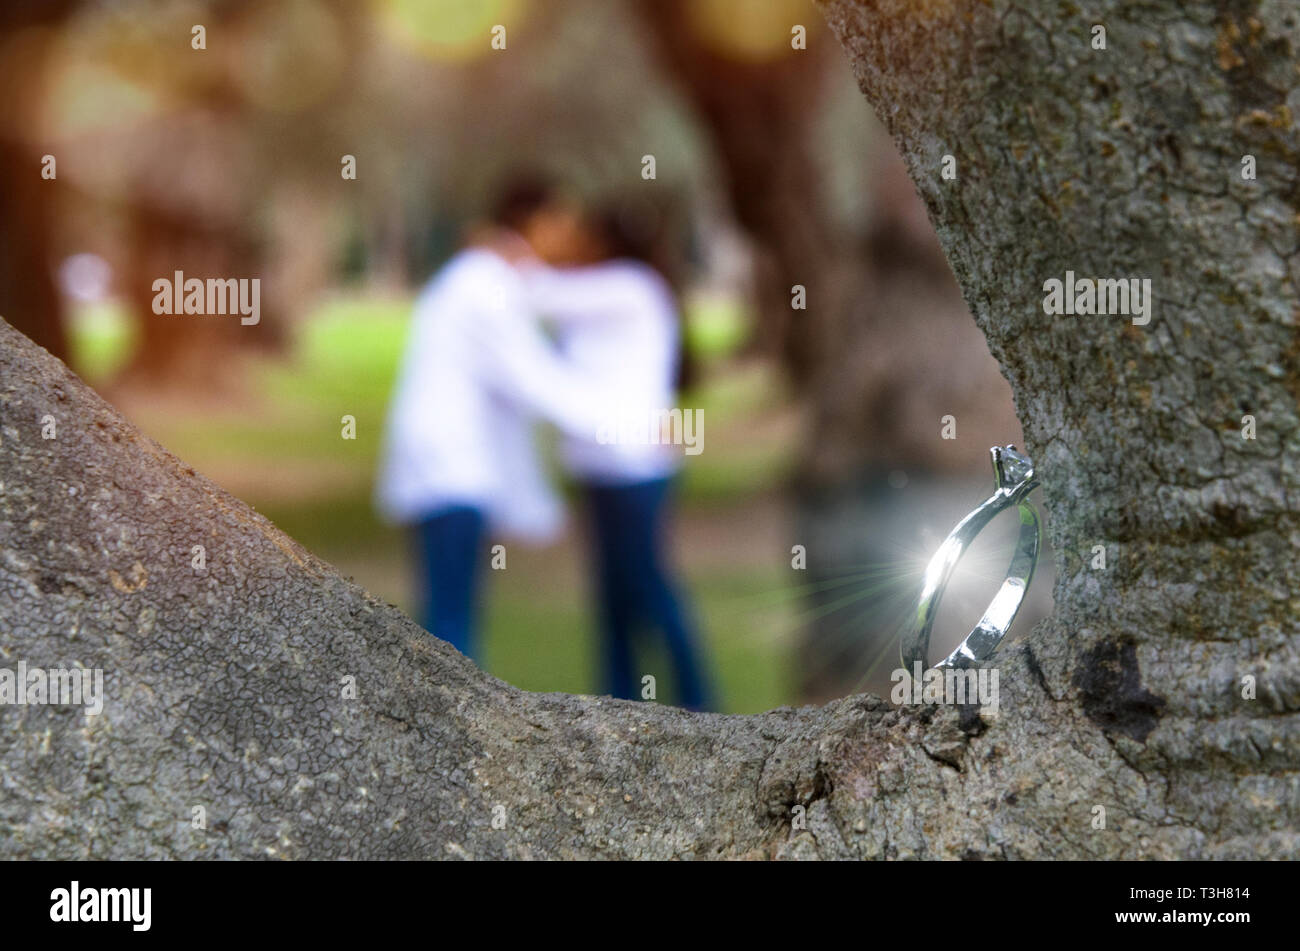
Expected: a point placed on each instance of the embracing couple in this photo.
(548, 314)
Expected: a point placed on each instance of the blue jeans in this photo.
(635, 589)
(450, 543)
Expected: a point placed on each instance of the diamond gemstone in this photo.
(1016, 466)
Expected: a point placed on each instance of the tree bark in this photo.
(1127, 162)
(225, 685)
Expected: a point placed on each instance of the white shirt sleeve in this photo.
(576, 295)
(518, 364)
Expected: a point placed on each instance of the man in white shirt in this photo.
(459, 460)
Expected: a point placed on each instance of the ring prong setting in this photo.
(1011, 467)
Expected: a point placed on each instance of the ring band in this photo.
(1014, 480)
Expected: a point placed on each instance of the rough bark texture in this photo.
(1126, 162)
(224, 686)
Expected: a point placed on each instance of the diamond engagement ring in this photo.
(1013, 473)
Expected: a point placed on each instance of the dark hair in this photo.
(640, 230)
(520, 197)
(630, 230)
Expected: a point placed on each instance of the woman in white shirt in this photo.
(617, 324)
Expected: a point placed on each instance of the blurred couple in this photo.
(552, 314)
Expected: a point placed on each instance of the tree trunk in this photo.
(29, 297)
(225, 686)
(1126, 162)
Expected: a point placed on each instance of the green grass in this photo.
(544, 639)
(715, 326)
(100, 339)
